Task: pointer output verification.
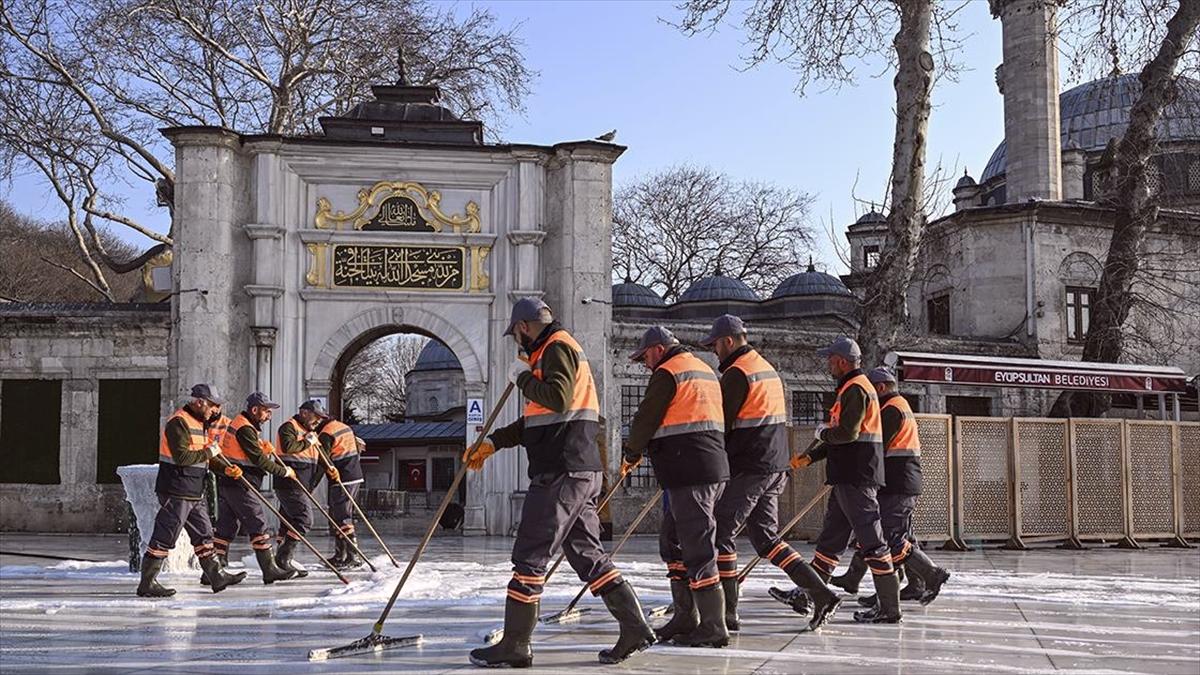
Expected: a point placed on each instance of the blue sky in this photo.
(677, 99)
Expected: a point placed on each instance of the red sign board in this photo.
(1040, 378)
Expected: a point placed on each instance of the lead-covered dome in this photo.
(1096, 112)
(718, 288)
(436, 356)
(810, 282)
(630, 294)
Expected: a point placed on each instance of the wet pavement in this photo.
(1099, 610)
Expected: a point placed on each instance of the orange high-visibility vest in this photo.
(584, 404)
(199, 439)
(232, 448)
(217, 429)
(764, 404)
(343, 439)
(906, 442)
(306, 456)
(696, 406)
(871, 429)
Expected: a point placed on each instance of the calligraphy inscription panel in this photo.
(399, 213)
(442, 268)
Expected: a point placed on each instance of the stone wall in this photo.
(79, 345)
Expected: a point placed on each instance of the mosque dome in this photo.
(810, 282)
(718, 287)
(871, 217)
(1094, 113)
(629, 294)
(965, 181)
(436, 356)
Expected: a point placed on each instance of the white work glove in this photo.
(514, 371)
(212, 450)
(818, 430)
(290, 473)
(311, 438)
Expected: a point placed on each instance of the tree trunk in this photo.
(884, 305)
(1135, 210)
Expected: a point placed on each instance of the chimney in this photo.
(1028, 80)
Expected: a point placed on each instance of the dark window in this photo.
(969, 406)
(631, 396)
(811, 407)
(30, 420)
(127, 430)
(443, 472)
(937, 310)
(871, 257)
(1079, 311)
(914, 402)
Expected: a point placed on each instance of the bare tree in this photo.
(374, 383)
(1130, 29)
(84, 87)
(678, 225)
(824, 42)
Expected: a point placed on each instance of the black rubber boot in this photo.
(824, 601)
(270, 571)
(710, 604)
(217, 576)
(685, 619)
(853, 577)
(283, 557)
(887, 607)
(636, 634)
(513, 650)
(933, 576)
(870, 600)
(149, 586)
(223, 559)
(915, 588)
(338, 559)
(350, 558)
(793, 597)
(731, 586)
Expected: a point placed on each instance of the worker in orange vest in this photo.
(342, 447)
(184, 453)
(297, 448)
(852, 445)
(558, 429)
(756, 440)
(898, 498)
(681, 424)
(240, 509)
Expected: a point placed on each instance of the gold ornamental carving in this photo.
(480, 281)
(397, 206)
(317, 267)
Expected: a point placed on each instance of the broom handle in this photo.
(786, 528)
(604, 502)
(312, 498)
(633, 526)
(487, 426)
(226, 463)
(358, 510)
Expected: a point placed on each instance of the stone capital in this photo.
(517, 294)
(263, 231)
(264, 336)
(203, 136)
(526, 237)
(264, 291)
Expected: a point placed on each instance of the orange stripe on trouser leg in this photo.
(521, 597)
(881, 564)
(676, 570)
(899, 556)
(157, 552)
(698, 584)
(293, 535)
(824, 563)
(609, 579)
(727, 564)
(786, 562)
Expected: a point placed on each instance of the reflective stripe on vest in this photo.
(198, 442)
(343, 439)
(906, 442)
(871, 429)
(216, 429)
(696, 406)
(306, 456)
(231, 447)
(584, 404)
(764, 404)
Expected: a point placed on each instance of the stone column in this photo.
(208, 307)
(1028, 79)
(578, 252)
(1074, 162)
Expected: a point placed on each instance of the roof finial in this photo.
(628, 279)
(718, 272)
(810, 264)
(402, 78)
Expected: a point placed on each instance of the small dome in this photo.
(436, 356)
(629, 294)
(718, 287)
(871, 217)
(810, 282)
(965, 181)
(1096, 112)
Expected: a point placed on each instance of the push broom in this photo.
(376, 641)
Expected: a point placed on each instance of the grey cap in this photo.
(526, 309)
(314, 406)
(843, 347)
(881, 375)
(726, 325)
(261, 400)
(654, 335)
(206, 392)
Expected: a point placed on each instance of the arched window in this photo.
(433, 405)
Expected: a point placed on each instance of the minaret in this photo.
(1028, 79)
